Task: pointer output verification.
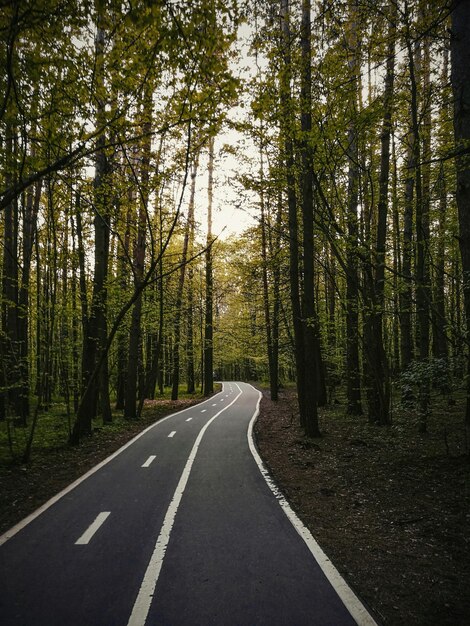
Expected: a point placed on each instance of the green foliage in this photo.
(435, 373)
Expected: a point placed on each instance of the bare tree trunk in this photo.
(379, 390)
(190, 319)
(397, 265)
(180, 290)
(75, 355)
(353, 374)
(10, 312)
(287, 132)
(311, 345)
(460, 77)
(422, 231)
(209, 304)
(266, 263)
(29, 229)
(122, 279)
(406, 294)
(134, 368)
(95, 325)
(439, 321)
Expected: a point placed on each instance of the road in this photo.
(182, 526)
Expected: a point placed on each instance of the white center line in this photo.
(149, 461)
(91, 530)
(172, 434)
(203, 410)
(189, 419)
(147, 588)
(214, 405)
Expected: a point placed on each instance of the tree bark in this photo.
(266, 266)
(95, 326)
(311, 344)
(406, 292)
(134, 367)
(422, 231)
(190, 373)
(439, 320)
(180, 290)
(379, 386)
(353, 374)
(287, 134)
(209, 305)
(460, 78)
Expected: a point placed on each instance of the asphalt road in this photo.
(181, 527)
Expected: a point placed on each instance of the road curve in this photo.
(182, 526)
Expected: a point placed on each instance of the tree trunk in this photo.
(439, 321)
(353, 375)
(33, 197)
(406, 293)
(134, 367)
(180, 290)
(190, 375)
(11, 373)
(209, 305)
(460, 78)
(379, 387)
(286, 131)
(422, 233)
(311, 345)
(95, 324)
(266, 263)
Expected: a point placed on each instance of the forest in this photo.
(348, 122)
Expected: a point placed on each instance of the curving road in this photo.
(182, 526)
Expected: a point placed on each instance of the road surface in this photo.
(182, 526)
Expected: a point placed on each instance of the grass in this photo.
(53, 426)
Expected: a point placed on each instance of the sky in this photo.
(234, 209)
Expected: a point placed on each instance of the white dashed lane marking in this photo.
(149, 461)
(91, 530)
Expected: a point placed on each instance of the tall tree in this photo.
(421, 217)
(354, 404)
(95, 325)
(379, 386)
(460, 77)
(287, 132)
(141, 180)
(209, 283)
(311, 341)
(181, 283)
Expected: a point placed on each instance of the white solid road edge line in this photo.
(91, 530)
(143, 601)
(350, 600)
(27, 520)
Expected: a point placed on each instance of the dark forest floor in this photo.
(391, 508)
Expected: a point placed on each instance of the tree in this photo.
(460, 77)
(354, 406)
(209, 284)
(379, 390)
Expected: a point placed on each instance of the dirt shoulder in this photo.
(388, 506)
